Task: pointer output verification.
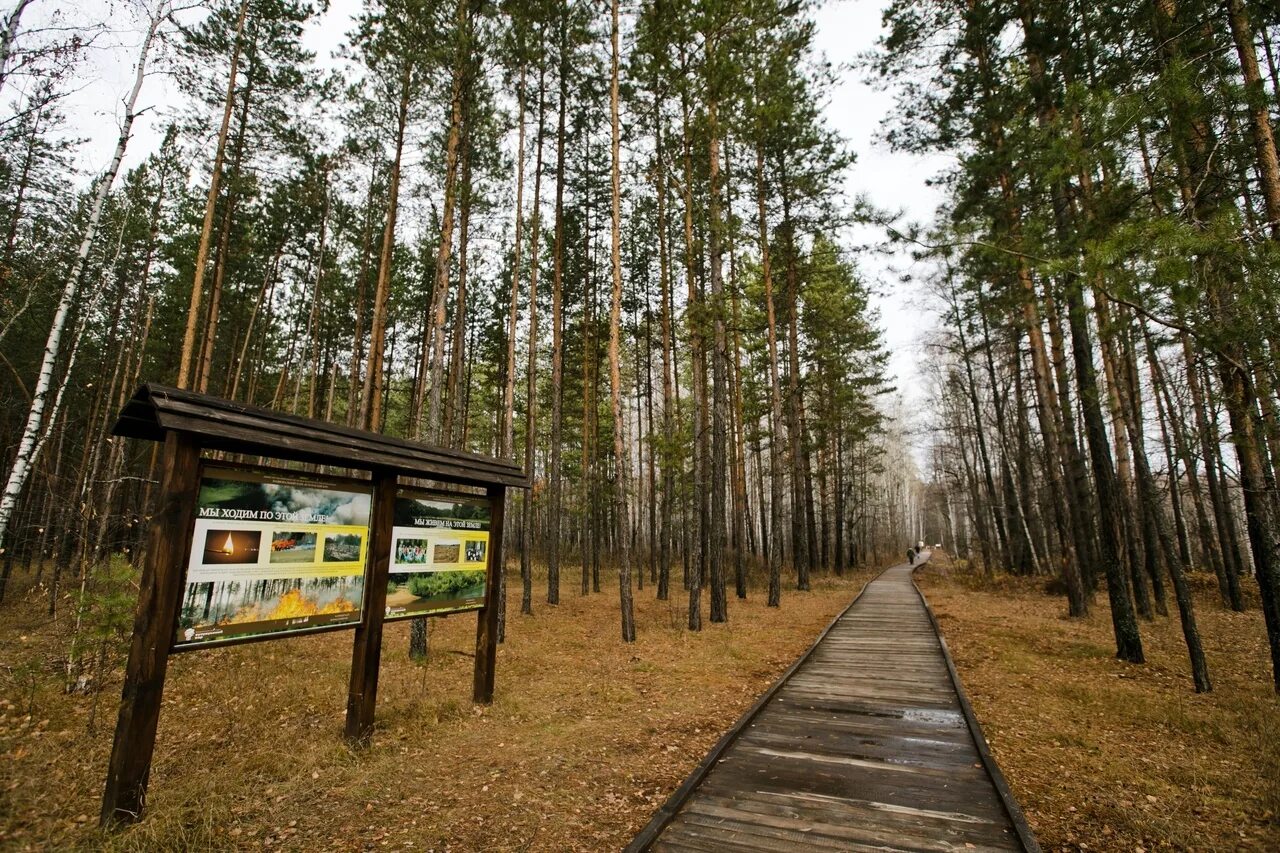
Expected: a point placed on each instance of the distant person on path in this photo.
(911, 556)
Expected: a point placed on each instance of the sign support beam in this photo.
(366, 652)
(154, 623)
(487, 620)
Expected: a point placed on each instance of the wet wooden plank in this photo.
(866, 744)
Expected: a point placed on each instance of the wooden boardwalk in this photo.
(866, 743)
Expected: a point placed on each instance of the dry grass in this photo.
(586, 738)
(1105, 755)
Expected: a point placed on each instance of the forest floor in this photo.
(588, 736)
(1104, 755)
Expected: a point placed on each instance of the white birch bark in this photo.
(31, 443)
(9, 32)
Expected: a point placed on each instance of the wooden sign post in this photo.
(366, 653)
(188, 423)
(155, 620)
(487, 621)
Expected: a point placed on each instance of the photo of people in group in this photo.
(439, 556)
(414, 552)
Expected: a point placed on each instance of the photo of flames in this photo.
(225, 547)
(237, 608)
(291, 605)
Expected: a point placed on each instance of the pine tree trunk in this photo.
(615, 323)
(1123, 622)
(1154, 518)
(531, 404)
(372, 396)
(557, 325)
(698, 531)
(453, 433)
(434, 347)
(354, 400)
(803, 533)
(719, 609)
(777, 474)
(668, 399)
(506, 429)
(185, 363)
(1259, 112)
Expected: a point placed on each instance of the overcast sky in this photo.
(846, 29)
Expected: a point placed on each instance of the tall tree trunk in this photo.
(440, 291)
(719, 610)
(372, 396)
(668, 398)
(557, 326)
(699, 530)
(455, 416)
(1259, 112)
(1154, 518)
(800, 507)
(354, 400)
(615, 330)
(777, 473)
(211, 199)
(432, 368)
(531, 404)
(506, 429)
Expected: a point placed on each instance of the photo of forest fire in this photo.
(342, 547)
(235, 608)
(293, 546)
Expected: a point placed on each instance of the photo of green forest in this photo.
(410, 594)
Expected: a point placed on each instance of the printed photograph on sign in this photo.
(412, 552)
(293, 546)
(342, 547)
(439, 555)
(273, 553)
(231, 547)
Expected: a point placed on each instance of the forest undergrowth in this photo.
(586, 738)
(1106, 755)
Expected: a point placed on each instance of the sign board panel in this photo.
(273, 553)
(439, 554)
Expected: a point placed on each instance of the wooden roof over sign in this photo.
(237, 428)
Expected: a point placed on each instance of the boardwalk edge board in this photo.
(1010, 803)
(668, 810)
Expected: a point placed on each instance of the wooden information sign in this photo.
(238, 554)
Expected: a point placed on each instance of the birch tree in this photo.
(29, 443)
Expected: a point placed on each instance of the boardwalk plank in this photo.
(865, 745)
